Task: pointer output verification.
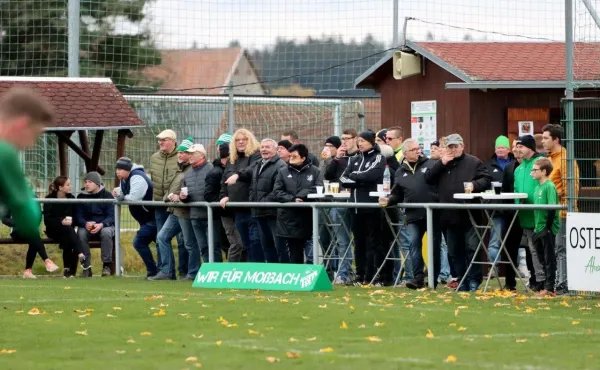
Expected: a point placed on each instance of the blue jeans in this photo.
(191, 245)
(308, 251)
(141, 242)
(495, 237)
(343, 249)
(404, 241)
(445, 265)
(274, 247)
(417, 230)
(462, 243)
(161, 216)
(248, 229)
(168, 231)
(200, 227)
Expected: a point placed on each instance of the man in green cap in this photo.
(495, 165)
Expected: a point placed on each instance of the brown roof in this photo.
(192, 68)
(80, 103)
(517, 61)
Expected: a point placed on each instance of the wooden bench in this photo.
(94, 244)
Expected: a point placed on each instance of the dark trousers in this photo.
(274, 247)
(141, 243)
(369, 253)
(462, 242)
(247, 227)
(35, 246)
(545, 247)
(71, 246)
(513, 243)
(416, 231)
(296, 248)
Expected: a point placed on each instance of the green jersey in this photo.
(16, 197)
(545, 194)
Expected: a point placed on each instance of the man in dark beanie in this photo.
(283, 150)
(525, 183)
(136, 186)
(96, 221)
(362, 175)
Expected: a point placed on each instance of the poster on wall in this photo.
(423, 123)
(583, 251)
(525, 128)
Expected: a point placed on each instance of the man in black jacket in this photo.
(293, 184)
(410, 187)
(261, 190)
(96, 221)
(362, 175)
(450, 173)
(292, 137)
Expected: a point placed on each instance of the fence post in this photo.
(231, 120)
(211, 236)
(315, 227)
(430, 254)
(569, 105)
(117, 207)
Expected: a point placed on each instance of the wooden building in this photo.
(482, 89)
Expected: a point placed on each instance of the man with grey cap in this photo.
(136, 186)
(164, 165)
(96, 220)
(455, 169)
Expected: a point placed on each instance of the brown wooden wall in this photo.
(452, 105)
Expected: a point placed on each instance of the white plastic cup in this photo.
(319, 190)
(184, 191)
(69, 218)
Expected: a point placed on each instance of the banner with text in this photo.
(264, 276)
(583, 251)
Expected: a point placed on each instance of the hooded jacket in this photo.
(292, 183)
(138, 187)
(450, 179)
(163, 168)
(494, 168)
(101, 213)
(263, 183)
(362, 175)
(212, 188)
(175, 188)
(410, 187)
(525, 183)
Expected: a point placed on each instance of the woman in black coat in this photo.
(58, 219)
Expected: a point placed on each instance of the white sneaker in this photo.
(50, 266)
(338, 281)
(27, 274)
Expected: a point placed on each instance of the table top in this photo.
(488, 196)
(329, 195)
(379, 194)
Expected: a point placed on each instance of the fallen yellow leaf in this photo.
(168, 340)
(326, 350)
(311, 339)
(429, 334)
(323, 305)
(272, 359)
(409, 306)
(191, 359)
(109, 315)
(117, 308)
(378, 324)
(462, 328)
(33, 312)
(565, 303)
(352, 308)
(245, 315)
(218, 343)
(283, 300)
(462, 307)
(452, 324)
(487, 336)
(197, 364)
(456, 312)
(21, 311)
(84, 332)
(362, 326)
(450, 358)
(373, 339)
(344, 325)
(544, 335)
(252, 332)
(469, 339)
(120, 352)
(292, 355)
(145, 333)
(198, 336)
(305, 317)
(160, 312)
(521, 340)
(575, 322)
(231, 299)
(130, 340)
(293, 340)
(58, 311)
(67, 288)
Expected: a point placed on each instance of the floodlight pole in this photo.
(569, 110)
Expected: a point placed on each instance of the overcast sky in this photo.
(257, 23)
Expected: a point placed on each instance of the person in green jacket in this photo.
(23, 116)
(525, 183)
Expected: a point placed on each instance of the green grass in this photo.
(499, 332)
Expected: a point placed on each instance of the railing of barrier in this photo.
(315, 206)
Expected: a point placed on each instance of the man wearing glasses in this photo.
(525, 183)
(393, 138)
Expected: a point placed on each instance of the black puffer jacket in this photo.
(450, 179)
(337, 166)
(243, 166)
(410, 187)
(262, 184)
(292, 183)
(212, 188)
(195, 181)
(362, 175)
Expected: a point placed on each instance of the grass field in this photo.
(127, 323)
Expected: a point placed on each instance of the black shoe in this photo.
(86, 273)
(67, 273)
(415, 284)
(106, 271)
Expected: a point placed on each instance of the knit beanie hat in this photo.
(527, 141)
(381, 134)
(124, 163)
(93, 177)
(225, 138)
(185, 144)
(502, 141)
(285, 143)
(334, 140)
(368, 136)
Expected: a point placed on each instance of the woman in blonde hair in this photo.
(237, 176)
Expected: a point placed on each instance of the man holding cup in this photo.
(455, 172)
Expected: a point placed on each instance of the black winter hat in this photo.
(124, 163)
(285, 143)
(334, 140)
(527, 141)
(368, 136)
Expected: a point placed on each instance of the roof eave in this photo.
(517, 84)
(93, 128)
(358, 81)
(439, 61)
